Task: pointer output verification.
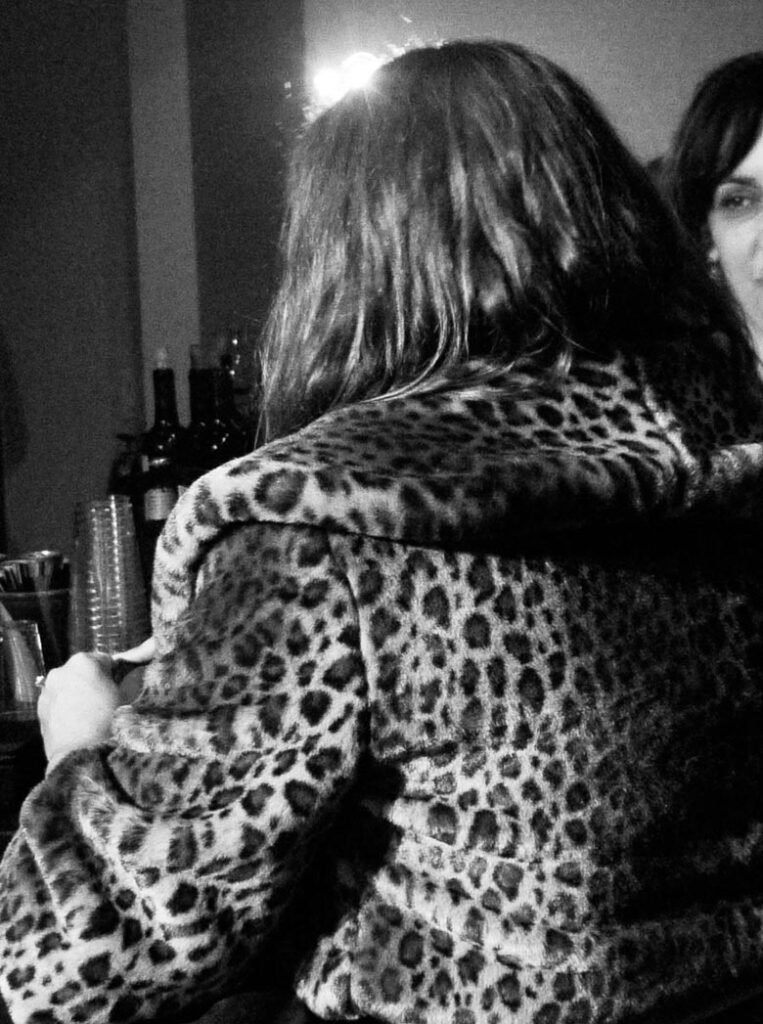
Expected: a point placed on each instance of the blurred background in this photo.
(142, 157)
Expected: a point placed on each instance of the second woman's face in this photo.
(736, 230)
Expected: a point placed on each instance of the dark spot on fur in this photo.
(540, 823)
(383, 625)
(558, 946)
(301, 797)
(314, 593)
(550, 414)
(391, 985)
(576, 831)
(285, 761)
(273, 668)
(325, 762)
(442, 987)
(442, 942)
(96, 971)
(531, 691)
(477, 631)
(564, 986)
(483, 833)
(104, 920)
(533, 595)
(206, 508)
(20, 928)
(411, 949)
(183, 899)
(436, 606)
(442, 823)
(508, 878)
(370, 585)
(549, 1013)
(569, 873)
(506, 605)
(237, 506)
(343, 671)
(518, 646)
(246, 651)
(66, 993)
(21, 976)
(470, 966)
(252, 842)
(509, 991)
(280, 491)
(183, 852)
(578, 797)
(48, 943)
(553, 773)
(314, 706)
(132, 838)
(132, 932)
(557, 664)
(480, 580)
(271, 714)
(160, 952)
(312, 551)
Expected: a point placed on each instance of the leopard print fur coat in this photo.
(456, 717)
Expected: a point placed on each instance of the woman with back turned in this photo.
(456, 685)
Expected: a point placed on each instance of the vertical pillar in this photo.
(164, 200)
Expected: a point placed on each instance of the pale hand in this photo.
(76, 705)
(131, 681)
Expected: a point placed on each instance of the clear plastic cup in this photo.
(109, 604)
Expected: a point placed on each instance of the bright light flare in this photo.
(328, 86)
(354, 72)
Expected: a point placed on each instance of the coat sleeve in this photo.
(145, 873)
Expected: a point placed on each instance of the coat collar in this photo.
(618, 441)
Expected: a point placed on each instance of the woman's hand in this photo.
(139, 655)
(76, 705)
(128, 668)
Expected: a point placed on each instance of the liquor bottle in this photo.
(240, 439)
(218, 440)
(159, 461)
(124, 474)
(236, 356)
(191, 459)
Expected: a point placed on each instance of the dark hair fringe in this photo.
(719, 127)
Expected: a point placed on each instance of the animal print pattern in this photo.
(455, 718)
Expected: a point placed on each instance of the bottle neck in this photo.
(216, 393)
(165, 406)
(228, 399)
(199, 393)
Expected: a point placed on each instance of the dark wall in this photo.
(246, 70)
(69, 348)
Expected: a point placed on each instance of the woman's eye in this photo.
(738, 200)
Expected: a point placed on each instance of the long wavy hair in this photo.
(468, 211)
(718, 129)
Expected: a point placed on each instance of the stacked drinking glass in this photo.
(109, 606)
